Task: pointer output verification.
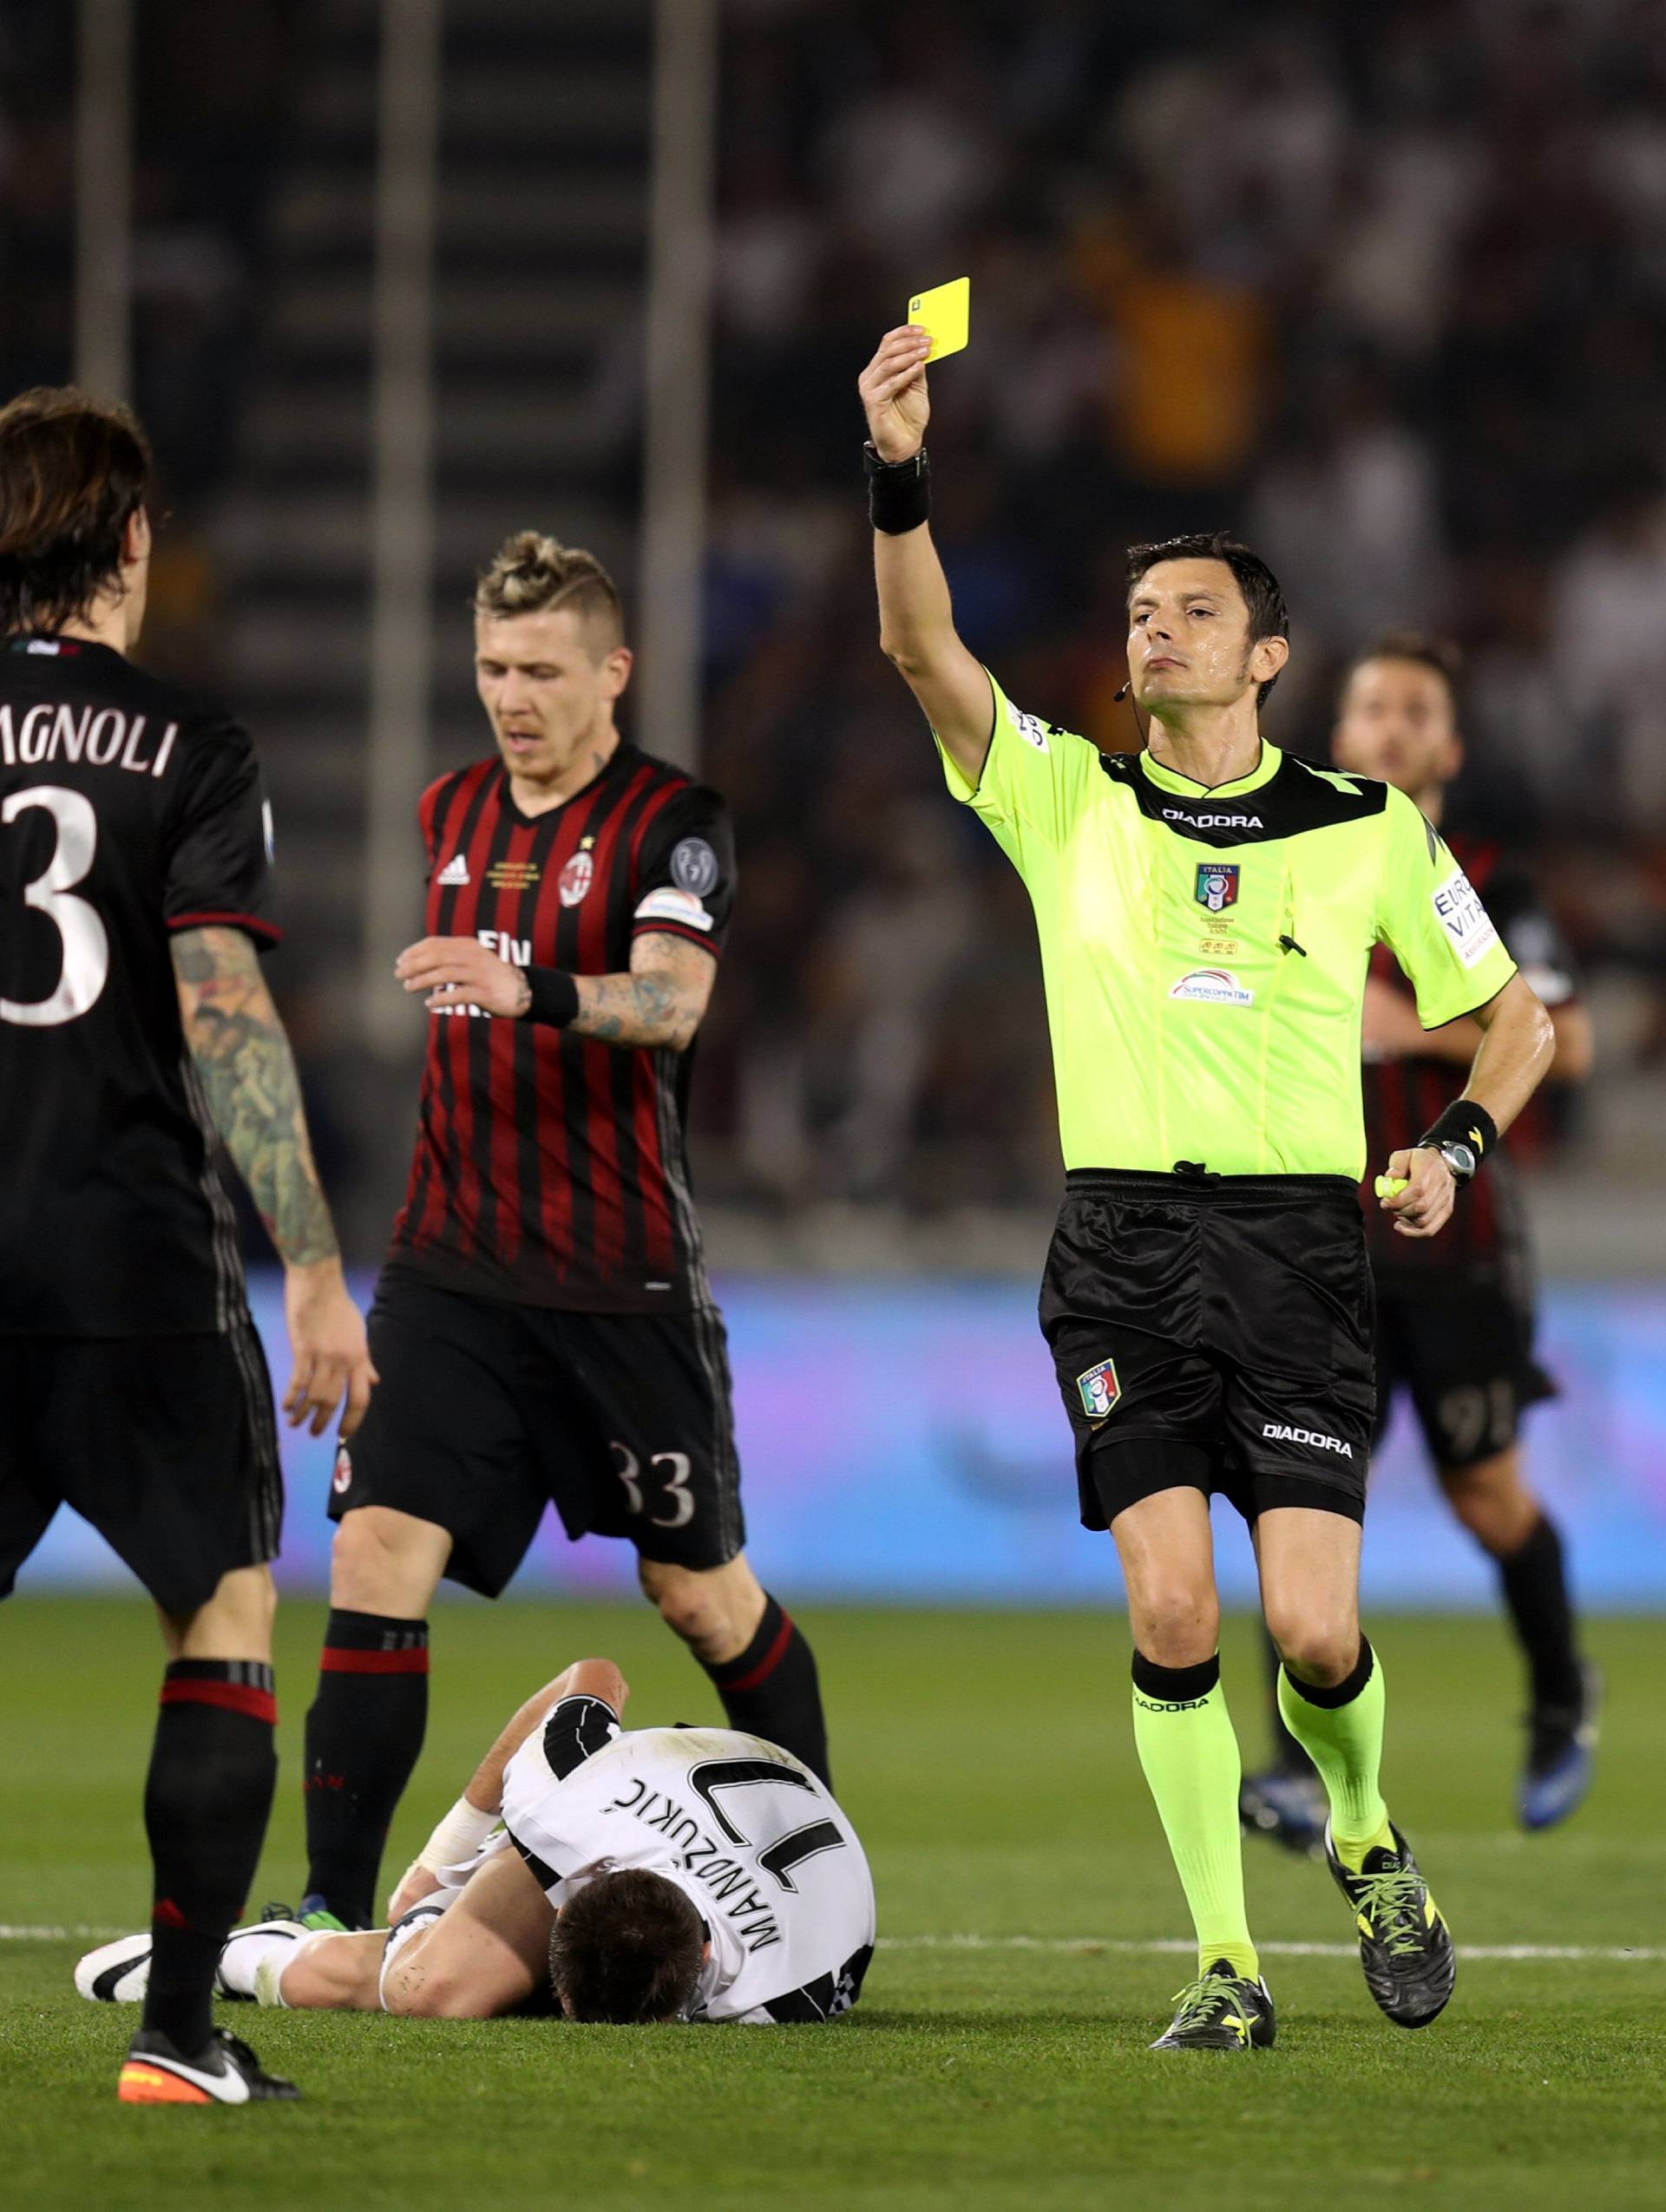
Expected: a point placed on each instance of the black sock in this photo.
(771, 1690)
(212, 1768)
(1287, 1755)
(1535, 1585)
(364, 1733)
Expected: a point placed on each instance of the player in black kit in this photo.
(134, 1029)
(1455, 1319)
(544, 1325)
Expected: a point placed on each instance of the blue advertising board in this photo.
(902, 1441)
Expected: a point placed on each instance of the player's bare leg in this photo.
(1190, 1754)
(763, 1668)
(364, 1730)
(1331, 1695)
(1494, 1501)
(484, 1955)
(320, 1973)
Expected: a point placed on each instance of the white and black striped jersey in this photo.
(763, 1849)
(129, 810)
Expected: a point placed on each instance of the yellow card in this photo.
(946, 311)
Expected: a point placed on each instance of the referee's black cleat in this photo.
(225, 2071)
(1561, 1755)
(1289, 1805)
(1405, 1947)
(1220, 2010)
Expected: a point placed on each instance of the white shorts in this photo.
(402, 1931)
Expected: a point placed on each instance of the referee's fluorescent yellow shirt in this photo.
(1205, 951)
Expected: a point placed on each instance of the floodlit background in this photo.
(1383, 287)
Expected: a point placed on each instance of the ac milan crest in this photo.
(576, 877)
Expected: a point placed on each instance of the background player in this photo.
(663, 1875)
(1201, 909)
(1455, 1317)
(544, 1325)
(135, 888)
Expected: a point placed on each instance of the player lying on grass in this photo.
(661, 1874)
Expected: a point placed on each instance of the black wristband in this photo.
(1469, 1127)
(899, 491)
(554, 997)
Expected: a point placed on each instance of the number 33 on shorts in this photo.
(668, 1494)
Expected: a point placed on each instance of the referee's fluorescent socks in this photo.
(207, 1796)
(363, 1735)
(1340, 1730)
(771, 1690)
(1184, 1734)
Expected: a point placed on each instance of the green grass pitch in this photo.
(987, 1760)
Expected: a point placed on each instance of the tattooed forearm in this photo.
(247, 1071)
(639, 1010)
(660, 1004)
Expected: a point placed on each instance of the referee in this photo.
(1206, 911)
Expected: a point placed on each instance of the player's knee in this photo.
(699, 1608)
(380, 1563)
(1176, 1623)
(431, 1997)
(697, 1616)
(1493, 1504)
(235, 1624)
(1318, 1649)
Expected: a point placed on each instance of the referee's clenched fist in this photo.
(894, 395)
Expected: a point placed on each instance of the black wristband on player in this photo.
(554, 997)
(1462, 1136)
(899, 491)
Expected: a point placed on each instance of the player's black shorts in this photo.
(1213, 1332)
(168, 1445)
(486, 1413)
(1464, 1351)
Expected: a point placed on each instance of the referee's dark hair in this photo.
(1438, 653)
(73, 474)
(1269, 616)
(628, 1948)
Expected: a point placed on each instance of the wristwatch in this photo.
(1459, 1157)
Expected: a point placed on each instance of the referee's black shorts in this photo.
(487, 1412)
(1213, 1333)
(168, 1445)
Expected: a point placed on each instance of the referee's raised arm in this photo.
(916, 622)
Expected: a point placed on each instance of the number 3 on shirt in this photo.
(677, 1494)
(86, 952)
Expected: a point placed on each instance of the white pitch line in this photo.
(57, 1934)
(1156, 1947)
(1180, 1947)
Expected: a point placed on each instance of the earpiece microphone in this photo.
(1117, 697)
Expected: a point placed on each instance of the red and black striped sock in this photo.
(364, 1734)
(213, 1768)
(771, 1690)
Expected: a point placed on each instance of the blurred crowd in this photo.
(1382, 288)
(212, 88)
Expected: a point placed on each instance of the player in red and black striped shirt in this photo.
(1455, 1326)
(544, 1327)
